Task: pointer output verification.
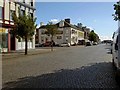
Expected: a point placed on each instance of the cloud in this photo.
(54, 21)
(105, 38)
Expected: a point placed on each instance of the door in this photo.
(12, 40)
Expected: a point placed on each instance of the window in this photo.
(31, 2)
(42, 32)
(60, 32)
(22, 12)
(59, 37)
(11, 12)
(73, 31)
(0, 12)
(67, 31)
(31, 14)
(4, 39)
(116, 44)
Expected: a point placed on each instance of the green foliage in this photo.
(93, 36)
(3, 36)
(51, 30)
(24, 27)
(117, 11)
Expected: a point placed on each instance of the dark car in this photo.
(88, 44)
(49, 43)
(46, 44)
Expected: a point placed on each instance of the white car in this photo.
(116, 53)
(65, 44)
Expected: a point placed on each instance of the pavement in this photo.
(21, 53)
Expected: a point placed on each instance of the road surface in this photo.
(66, 67)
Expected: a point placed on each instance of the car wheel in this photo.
(117, 77)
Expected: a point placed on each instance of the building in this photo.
(8, 42)
(86, 33)
(68, 33)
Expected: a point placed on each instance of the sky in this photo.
(95, 15)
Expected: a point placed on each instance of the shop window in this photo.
(4, 40)
(0, 12)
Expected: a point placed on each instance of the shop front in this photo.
(3, 40)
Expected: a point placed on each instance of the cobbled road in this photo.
(66, 67)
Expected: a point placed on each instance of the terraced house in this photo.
(8, 42)
(68, 33)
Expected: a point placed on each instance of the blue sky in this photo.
(96, 15)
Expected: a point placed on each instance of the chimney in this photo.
(79, 25)
(67, 20)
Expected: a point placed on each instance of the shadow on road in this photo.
(97, 75)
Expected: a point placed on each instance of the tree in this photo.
(93, 36)
(24, 27)
(117, 11)
(52, 31)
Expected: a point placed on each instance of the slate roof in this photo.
(66, 24)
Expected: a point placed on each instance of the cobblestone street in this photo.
(71, 67)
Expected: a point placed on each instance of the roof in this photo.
(66, 24)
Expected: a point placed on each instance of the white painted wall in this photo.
(21, 45)
(6, 11)
(66, 36)
(1, 3)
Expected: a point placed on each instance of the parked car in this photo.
(116, 54)
(74, 44)
(94, 43)
(56, 44)
(46, 44)
(65, 44)
(36, 45)
(88, 44)
(39, 45)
